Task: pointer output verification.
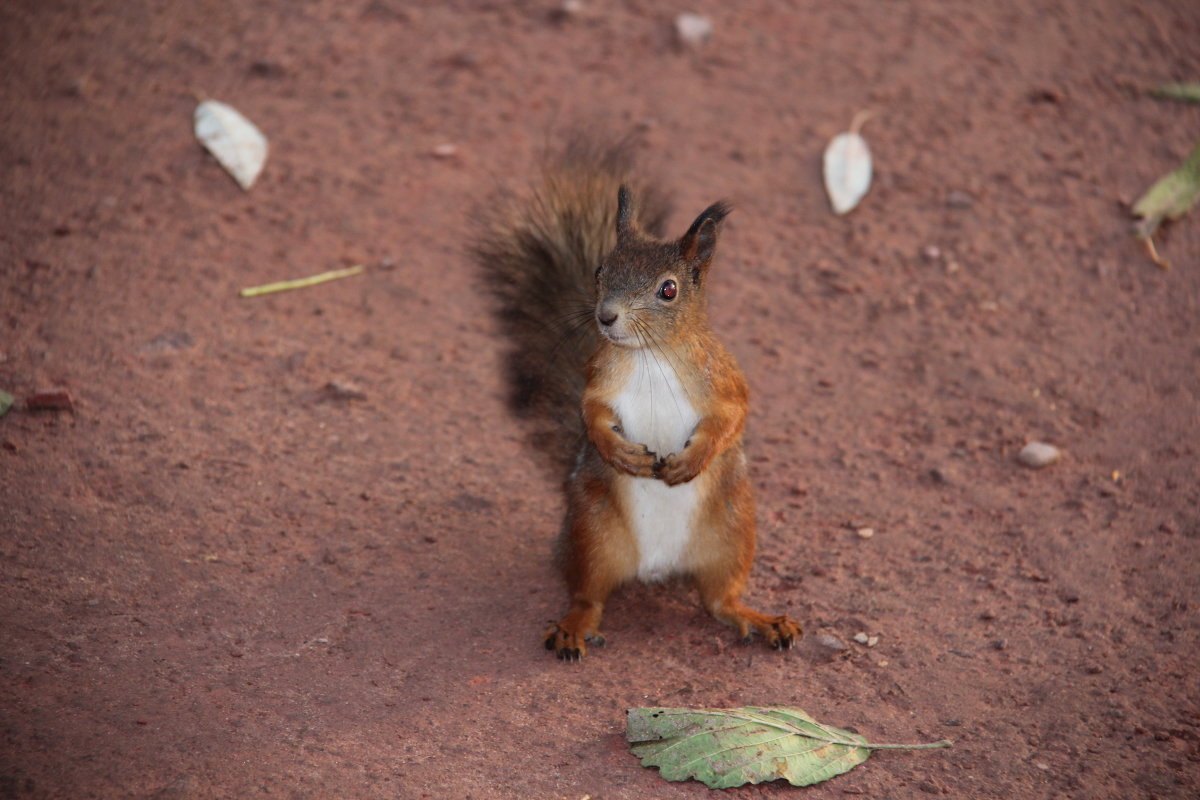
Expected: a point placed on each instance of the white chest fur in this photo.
(654, 410)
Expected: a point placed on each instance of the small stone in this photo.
(865, 533)
(267, 68)
(693, 30)
(168, 342)
(445, 150)
(829, 641)
(960, 200)
(861, 638)
(931, 252)
(872, 641)
(336, 390)
(569, 9)
(1036, 455)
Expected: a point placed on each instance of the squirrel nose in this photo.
(607, 316)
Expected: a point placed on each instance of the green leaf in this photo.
(727, 747)
(6, 401)
(1169, 198)
(1188, 92)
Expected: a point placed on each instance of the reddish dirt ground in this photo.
(223, 579)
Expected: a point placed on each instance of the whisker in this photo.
(667, 356)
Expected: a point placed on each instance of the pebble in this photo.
(571, 8)
(865, 533)
(829, 641)
(872, 641)
(939, 475)
(960, 200)
(693, 30)
(861, 638)
(1038, 454)
(446, 150)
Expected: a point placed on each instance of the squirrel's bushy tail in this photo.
(539, 253)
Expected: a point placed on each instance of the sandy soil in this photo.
(222, 578)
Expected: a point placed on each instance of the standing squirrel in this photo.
(611, 319)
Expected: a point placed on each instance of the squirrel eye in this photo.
(668, 290)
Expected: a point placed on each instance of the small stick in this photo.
(301, 283)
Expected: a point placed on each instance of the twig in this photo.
(301, 283)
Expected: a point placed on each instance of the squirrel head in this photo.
(650, 291)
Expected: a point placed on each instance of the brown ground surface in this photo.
(220, 580)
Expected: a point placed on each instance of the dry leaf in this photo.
(848, 167)
(727, 747)
(233, 140)
(1168, 199)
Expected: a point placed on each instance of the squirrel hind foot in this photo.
(780, 633)
(568, 645)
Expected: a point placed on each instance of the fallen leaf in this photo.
(52, 400)
(693, 30)
(1188, 92)
(1168, 199)
(847, 167)
(727, 747)
(233, 140)
(6, 401)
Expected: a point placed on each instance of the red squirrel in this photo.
(659, 485)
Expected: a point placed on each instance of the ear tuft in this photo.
(624, 210)
(700, 242)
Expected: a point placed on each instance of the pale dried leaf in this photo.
(693, 30)
(233, 140)
(847, 170)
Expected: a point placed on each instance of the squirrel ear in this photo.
(624, 210)
(697, 246)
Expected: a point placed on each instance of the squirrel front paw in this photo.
(636, 459)
(676, 469)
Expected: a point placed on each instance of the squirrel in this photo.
(613, 345)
